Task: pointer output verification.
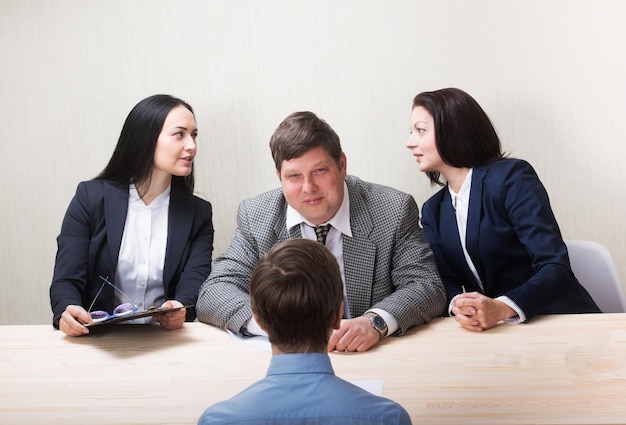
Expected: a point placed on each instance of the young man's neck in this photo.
(297, 350)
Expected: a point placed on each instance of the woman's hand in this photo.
(477, 312)
(73, 320)
(171, 319)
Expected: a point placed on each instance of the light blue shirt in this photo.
(303, 389)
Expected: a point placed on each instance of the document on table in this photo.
(256, 341)
(374, 386)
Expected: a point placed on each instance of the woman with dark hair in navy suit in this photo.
(136, 232)
(496, 241)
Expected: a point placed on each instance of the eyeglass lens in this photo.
(119, 311)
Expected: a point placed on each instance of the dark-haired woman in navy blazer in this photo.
(497, 244)
(137, 224)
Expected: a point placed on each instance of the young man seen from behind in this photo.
(297, 298)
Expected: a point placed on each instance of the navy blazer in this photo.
(91, 236)
(512, 238)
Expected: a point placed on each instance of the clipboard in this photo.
(152, 311)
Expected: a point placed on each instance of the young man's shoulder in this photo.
(336, 401)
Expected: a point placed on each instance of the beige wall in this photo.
(551, 74)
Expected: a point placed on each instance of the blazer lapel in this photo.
(180, 220)
(359, 255)
(280, 225)
(473, 219)
(115, 210)
(449, 231)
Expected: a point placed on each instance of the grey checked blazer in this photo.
(387, 263)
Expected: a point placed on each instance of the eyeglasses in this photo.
(119, 311)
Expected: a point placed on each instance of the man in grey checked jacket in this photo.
(390, 277)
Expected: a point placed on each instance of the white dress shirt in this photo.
(142, 252)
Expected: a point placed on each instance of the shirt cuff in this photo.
(521, 317)
(451, 305)
(252, 328)
(392, 323)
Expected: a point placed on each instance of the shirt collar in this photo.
(464, 192)
(163, 198)
(281, 364)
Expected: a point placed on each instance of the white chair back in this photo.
(593, 266)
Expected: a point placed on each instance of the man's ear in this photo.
(278, 175)
(338, 317)
(343, 164)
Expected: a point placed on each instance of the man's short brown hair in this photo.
(296, 293)
(299, 133)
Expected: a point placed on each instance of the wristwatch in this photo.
(377, 322)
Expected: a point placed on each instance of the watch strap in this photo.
(377, 322)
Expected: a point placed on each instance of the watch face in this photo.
(379, 323)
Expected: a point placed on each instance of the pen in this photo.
(463, 288)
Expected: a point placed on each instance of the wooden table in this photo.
(567, 369)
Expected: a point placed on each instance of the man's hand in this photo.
(354, 335)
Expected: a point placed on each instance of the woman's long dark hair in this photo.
(133, 157)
